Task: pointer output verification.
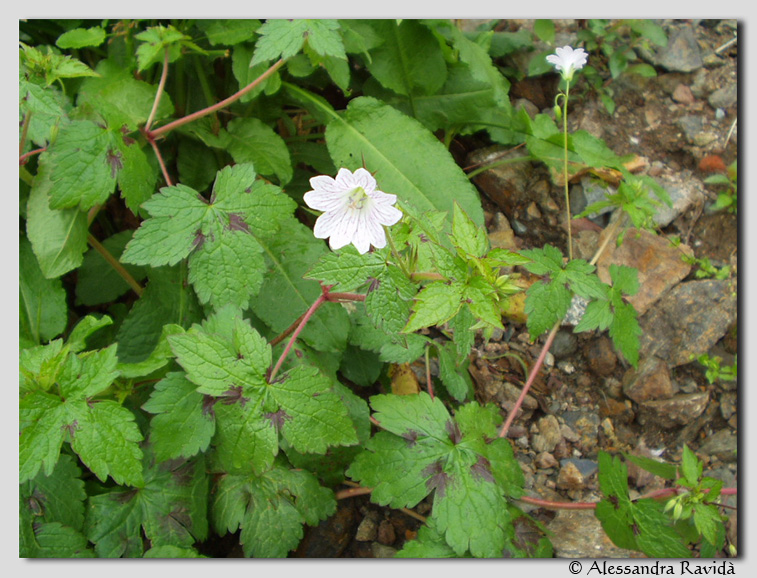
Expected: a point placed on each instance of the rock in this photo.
(501, 235)
(650, 381)
(683, 94)
(330, 538)
(531, 109)
(588, 192)
(570, 477)
(601, 356)
(682, 53)
(724, 97)
(578, 534)
(684, 190)
(659, 264)
(691, 125)
(386, 534)
(585, 423)
(721, 444)
(549, 434)
(381, 551)
(368, 528)
(727, 405)
(545, 460)
(564, 344)
(688, 320)
(674, 412)
(506, 184)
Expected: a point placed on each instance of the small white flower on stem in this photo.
(567, 60)
(354, 210)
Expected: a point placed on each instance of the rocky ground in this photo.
(682, 127)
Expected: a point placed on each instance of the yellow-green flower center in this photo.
(356, 198)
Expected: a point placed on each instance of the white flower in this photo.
(354, 210)
(566, 60)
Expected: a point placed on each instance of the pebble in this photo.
(570, 477)
(650, 381)
(546, 460)
(671, 413)
(549, 434)
(382, 551)
(727, 405)
(386, 534)
(368, 528)
(564, 344)
(724, 97)
(585, 423)
(683, 94)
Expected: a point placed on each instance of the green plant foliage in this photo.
(194, 362)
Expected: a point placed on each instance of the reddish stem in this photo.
(161, 85)
(163, 168)
(534, 370)
(308, 314)
(154, 134)
(24, 158)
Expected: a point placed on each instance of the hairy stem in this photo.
(305, 318)
(159, 94)
(113, 262)
(565, 169)
(154, 134)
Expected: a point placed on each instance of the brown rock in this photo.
(659, 264)
(601, 356)
(570, 477)
(386, 534)
(507, 184)
(650, 381)
(674, 412)
(579, 534)
(683, 94)
(549, 434)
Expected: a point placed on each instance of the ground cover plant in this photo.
(232, 232)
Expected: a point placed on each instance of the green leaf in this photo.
(546, 304)
(545, 30)
(168, 551)
(691, 466)
(428, 544)
(53, 540)
(84, 163)
(120, 98)
(417, 168)
(661, 469)
(270, 509)
(228, 32)
(312, 417)
(59, 238)
(155, 41)
(285, 38)
(456, 380)
(347, 270)
(244, 441)
(81, 38)
(708, 522)
(467, 236)
(58, 497)
(43, 313)
(137, 178)
(656, 537)
(462, 461)
(43, 108)
(51, 66)
(389, 299)
(435, 304)
(409, 60)
(170, 509)
(181, 427)
(252, 141)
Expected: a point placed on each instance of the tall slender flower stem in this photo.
(429, 383)
(565, 168)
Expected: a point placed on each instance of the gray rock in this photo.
(721, 444)
(724, 97)
(585, 423)
(684, 190)
(688, 320)
(674, 412)
(650, 381)
(691, 125)
(381, 551)
(368, 528)
(682, 53)
(564, 344)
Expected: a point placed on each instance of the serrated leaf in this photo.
(84, 163)
(546, 304)
(170, 508)
(466, 235)
(456, 381)
(43, 313)
(155, 41)
(435, 304)
(181, 426)
(285, 38)
(229, 31)
(106, 439)
(625, 331)
(54, 540)
(661, 469)
(347, 270)
(691, 466)
(270, 509)
(58, 497)
(656, 537)
(43, 108)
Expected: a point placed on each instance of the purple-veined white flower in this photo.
(354, 210)
(567, 60)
